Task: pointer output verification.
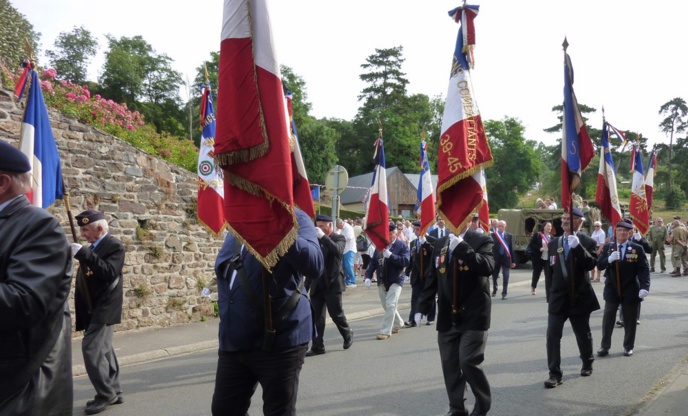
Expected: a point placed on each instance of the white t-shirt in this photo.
(348, 232)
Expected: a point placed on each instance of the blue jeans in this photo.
(348, 266)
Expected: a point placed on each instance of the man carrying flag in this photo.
(462, 262)
(638, 207)
(210, 187)
(607, 196)
(38, 143)
(265, 314)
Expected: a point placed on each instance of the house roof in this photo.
(359, 185)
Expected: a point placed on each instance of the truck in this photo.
(522, 223)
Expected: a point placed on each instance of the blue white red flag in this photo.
(607, 195)
(252, 143)
(619, 134)
(638, 208)
(576, 147)
(38, 144)
(376, 221)
(425, 205)
(211, 192)
(650, 178)
(302, 188)
(463, 149)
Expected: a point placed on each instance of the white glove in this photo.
(643, 293)
(422, 240)
(613, 257)
(417, 317)
(454, 241)
(319, 232)
(386, 253)
(637, 236)
(573, 241)
(75, 248)
(366, 282)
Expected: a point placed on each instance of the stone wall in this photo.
(150, 205)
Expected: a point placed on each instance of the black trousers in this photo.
(333, 302)
(581, 329)
(238, 375)
(416, 288)
(630, 316)
(461, 353)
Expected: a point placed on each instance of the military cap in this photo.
(392, 226)
(624, 223)
(323, 217)
(89, 217)
(416, 223)
(12, 159)
(577, 212)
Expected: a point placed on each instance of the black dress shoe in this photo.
(455, 413)
(410, 324)
(98, 406)
(118, 400)
(586, 371)
(313, 352)
(349, 341)
(552, 382)
(494, 293)
(620, 323)
(602, 352)
(628, 353)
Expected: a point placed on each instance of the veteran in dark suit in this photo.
(421, 261)
(503, 251)
(245, 359)
(463, 314)
(627, 283)
(35, 279)
(98, 301)
(326, 289)
(571, 257)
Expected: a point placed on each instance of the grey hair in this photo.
(102, 223)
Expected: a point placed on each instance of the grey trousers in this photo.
(100, 361)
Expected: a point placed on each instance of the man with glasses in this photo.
(627, 283)
(571, 257)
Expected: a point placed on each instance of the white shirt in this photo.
(441, 232)
(599, 236)
(348, 232)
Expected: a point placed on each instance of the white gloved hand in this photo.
(417, 318)
(573, 241)
(613, 257)
(75, 248)
(366, 282)
(319, 232)
(386, 253)
(637, 236)
(422, 240)
(454, 241)
(643, 293)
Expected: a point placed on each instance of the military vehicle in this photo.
(522, 223)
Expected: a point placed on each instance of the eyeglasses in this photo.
(597, 226)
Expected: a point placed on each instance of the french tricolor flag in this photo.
(426, 193)
(650, 178)
(38, 144)
(640, 213)
(607, 195)
(576, 147)
(376, 224)
(252, 143)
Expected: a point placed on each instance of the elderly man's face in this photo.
(325, 226)
(566, 222)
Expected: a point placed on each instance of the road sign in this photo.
(337, 179)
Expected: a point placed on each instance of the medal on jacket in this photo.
(441, 265)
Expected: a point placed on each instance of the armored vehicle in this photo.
(522, 223)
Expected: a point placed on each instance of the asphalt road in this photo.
(402, 376)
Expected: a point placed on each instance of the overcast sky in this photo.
(629, 56)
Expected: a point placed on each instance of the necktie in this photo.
(441, 233)
(620, 251)
(566, 246)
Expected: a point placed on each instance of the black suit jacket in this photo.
(332, 278)
(473, 283)
(416, 275)
(584, 299)
(435, 233)
(100, 267)
(634, 273)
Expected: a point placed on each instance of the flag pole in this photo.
(572, 288)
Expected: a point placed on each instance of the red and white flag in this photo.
(607, 195)
(425, 206)
(463, 149)
(650, 178)
(252, 144)
(640, 214)
(484, 212)
(211, 190)
(303, 197)
(376, 221)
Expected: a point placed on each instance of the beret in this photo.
(392, 226)
(416, 223)
(676, 217)
(12, 159)
(323, 217)
(577, 212)
(88, 217)
(624, 224)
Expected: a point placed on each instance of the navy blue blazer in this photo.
(240, 327)
(634, 273)
(394, 265)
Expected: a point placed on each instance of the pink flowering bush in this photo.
(76, 101)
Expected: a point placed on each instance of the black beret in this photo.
(323, 217)
(12, 159)
(88, 217)
(676, 217)
(624, 224)
(577, 212)
(416, 223)
(392, 226)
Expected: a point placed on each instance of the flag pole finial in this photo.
(565, 45)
